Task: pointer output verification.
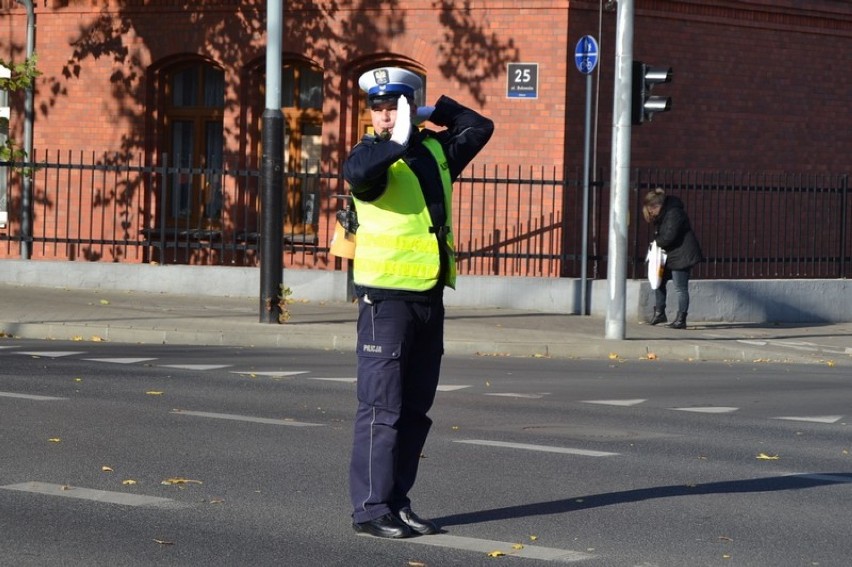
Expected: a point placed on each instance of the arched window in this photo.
(301, 103)
(195, 101)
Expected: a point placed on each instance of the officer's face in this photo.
(383, 114)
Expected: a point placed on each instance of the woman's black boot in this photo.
(680, 321)
(659, 316)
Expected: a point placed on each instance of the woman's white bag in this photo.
(656, 264)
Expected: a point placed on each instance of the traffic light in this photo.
(644, 104)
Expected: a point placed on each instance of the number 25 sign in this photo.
(522, 80)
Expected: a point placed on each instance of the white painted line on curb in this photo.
(66, 491)
(486, 546)
(540, 448)
(30, 397)
(247, 418)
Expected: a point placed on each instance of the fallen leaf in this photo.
(651, 356)
(518, 546)
(128, 481)
(106, 469)
(830, 363)
(96, 339)
(416, 564)
(496, 554)
(78, 379)
(217, 501)
(533, 537)
(163, 542)
(613, 356)
(154, 393)
(76, 338)
(55, 440)
(765, 457)
(180, 480)
(104, 301)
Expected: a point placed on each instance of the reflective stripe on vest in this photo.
(396, 249)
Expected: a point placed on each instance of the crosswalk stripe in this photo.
(624, 403)
(508, 549)
(707, 409)
(512, 395)
(50, 353)
(814, 419)
(120, 360)
(30, 397)
(273, 373)
(66, 491)
(540, 448)
(196, 366)
(248, 418)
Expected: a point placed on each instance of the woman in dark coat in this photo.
(674, 234)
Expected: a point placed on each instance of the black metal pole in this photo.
(272, 188)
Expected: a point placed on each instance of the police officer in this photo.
(401, 181)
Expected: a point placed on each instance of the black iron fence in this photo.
(509, 221)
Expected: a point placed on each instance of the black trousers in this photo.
(400, 345)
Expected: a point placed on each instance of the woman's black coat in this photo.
(674, 234)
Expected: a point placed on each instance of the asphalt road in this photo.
(164, 455)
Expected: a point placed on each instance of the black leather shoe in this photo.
(386, 526)
(416, 523)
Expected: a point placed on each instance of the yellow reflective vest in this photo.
(396, 249)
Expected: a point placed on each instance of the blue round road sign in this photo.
(586, 54)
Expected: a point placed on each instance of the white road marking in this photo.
(122, 498)
(247, 418)
(120, 360)
(624, 403)
(196, 366)
(347, 380)
(508, 548)
(540, 448)
(50, 354)
(450, 387)
(30, 397)
(814, 419)
(707, 409)
(511, 395)
(273, 373)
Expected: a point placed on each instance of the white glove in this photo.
(402, 126)
(423, 113)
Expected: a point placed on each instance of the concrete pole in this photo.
(620, 175)
(29, 117)
(272, 171)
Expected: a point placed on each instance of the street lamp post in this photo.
(26, 197)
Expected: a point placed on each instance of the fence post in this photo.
(844, 226)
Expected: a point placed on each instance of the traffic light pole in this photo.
(620, 174)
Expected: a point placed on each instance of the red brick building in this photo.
(759, 85)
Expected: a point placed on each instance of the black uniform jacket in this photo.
(467, 132)
(674, 235)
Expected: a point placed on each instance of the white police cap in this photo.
(389, 81)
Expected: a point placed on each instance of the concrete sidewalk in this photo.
(137, 317)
